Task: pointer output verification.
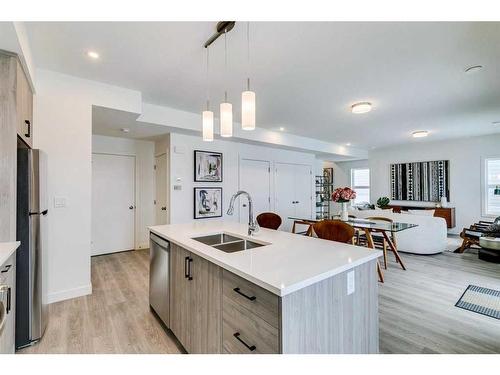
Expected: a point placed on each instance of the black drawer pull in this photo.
(7, 268)
(28, 134)
(186, 273)
(9, 299)
(190, 276)
(237, 290)
(251, 348)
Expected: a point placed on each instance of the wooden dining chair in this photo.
(334, 230)
(269, 220)
(379, 240)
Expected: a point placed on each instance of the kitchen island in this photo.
(272, 292)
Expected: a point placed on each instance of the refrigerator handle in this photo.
(44, 212)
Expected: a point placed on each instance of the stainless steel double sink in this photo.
(228, 243)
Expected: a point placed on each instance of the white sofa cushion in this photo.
(429, 237)
(422, 212)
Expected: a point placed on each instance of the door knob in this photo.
(164, 208)
(244, 205)
(130, 207)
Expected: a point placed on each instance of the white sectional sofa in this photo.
(429, 237)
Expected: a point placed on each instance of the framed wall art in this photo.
(207, 202)
(207, 166)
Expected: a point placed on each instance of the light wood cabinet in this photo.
(195, 312)
(24, 105)
(215, 311)
(8, 283)
(179, 295)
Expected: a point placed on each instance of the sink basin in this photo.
(228, 243)
(217, 239)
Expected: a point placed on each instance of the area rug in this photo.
(481, 300)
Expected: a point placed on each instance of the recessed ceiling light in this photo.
(125, 130)
(93, 55)
(420, 134)
(361, 107)
(348, 144)
(473, 69)
(282, 129)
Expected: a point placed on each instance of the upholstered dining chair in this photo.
(334, 230)
(380, 240)
(269, 220)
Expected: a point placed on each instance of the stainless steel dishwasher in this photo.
(159, 294)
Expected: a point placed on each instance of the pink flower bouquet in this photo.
(342, 195)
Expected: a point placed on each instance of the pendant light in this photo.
(208, 115)
(226, 108)
(248, 97)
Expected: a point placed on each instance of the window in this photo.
(491, 202)
(360, 182)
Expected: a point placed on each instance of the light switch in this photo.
(177, 187)
(59, 202)
(350, 282)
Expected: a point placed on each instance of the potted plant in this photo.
(383, 202)
(342, 196)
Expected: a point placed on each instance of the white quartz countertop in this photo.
(6, 250)
(290, 262)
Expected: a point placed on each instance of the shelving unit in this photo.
(324, 189)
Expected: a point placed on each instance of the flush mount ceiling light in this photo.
(361, 107)
(93, 55)
(125, 130)
(348, 144)
(420, 134)
(473, 69)
(282, 129)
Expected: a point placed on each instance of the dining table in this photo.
(368, 226)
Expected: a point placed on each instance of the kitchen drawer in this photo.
(245, 333)
(252, 297)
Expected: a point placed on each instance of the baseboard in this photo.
(142, 246)
(69, 293)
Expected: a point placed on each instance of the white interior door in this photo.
(255, 179)
(303, 191)
(161, 190)
(113, 203)
(285, 193)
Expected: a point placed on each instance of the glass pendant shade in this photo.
(208, 126)
(248, 110)
(226, 119)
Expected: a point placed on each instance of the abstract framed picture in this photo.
(207, 202)
(207, 166)
(426, 181)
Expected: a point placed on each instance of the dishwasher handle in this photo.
(159, 241)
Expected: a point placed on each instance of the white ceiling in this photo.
(306, 75)
(110, 122)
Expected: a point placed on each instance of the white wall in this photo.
(181, 167)
(342, 176)
(62, 128)
(144, 179)
(465, 170)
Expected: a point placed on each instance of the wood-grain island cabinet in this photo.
(213, 310)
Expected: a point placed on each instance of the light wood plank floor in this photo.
(417, 313)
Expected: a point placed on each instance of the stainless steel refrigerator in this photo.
(32, 211)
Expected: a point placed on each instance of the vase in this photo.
(344, 215)
(444, 202)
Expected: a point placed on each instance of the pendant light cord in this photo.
(208, 80)
(225, 63)
(248, 56)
